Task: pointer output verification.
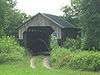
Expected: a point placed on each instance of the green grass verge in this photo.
(23, 68)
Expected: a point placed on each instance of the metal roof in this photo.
(62, 23)
(56, 19)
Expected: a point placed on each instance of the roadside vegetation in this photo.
(64, 60)
(23, 68)
(73, 56)
(79, 60)
(10, 50)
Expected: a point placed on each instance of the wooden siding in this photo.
(40, 20)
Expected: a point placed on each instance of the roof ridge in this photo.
(54, 18)
(58, 20)
(45, 15)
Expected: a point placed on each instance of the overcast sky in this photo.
(33, 7)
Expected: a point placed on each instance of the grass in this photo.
(23, 68)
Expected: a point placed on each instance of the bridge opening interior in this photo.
(37, 39)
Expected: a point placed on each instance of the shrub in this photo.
(86, 60)
(83, 60)
(73, 56)
(10, 49)
(58, 55)
(74, 44)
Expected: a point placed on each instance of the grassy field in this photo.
(24, 69)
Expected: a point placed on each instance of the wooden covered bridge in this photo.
(36, 32)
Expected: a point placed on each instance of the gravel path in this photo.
(46, 62)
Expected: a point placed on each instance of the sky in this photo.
(32, 7)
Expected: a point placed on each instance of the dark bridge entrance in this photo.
(37, 39)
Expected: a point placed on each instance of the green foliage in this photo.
(86, 15)
(74, 44)
(57, 55)
(16, 19)
(25, 69)
(10, 18)
(71, 15)
(82, 60)
(10, 49)
(86, 60)
(4, 15)
(89, 20)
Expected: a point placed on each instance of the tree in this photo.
(4, 10)
(17, 18)
(71, 14)
(88, 18)
(90, 22)
(10, 18)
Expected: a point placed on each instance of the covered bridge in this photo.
(36, 31)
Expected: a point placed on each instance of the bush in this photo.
(83, 60)
(86, 60)
(73, 56)
(74, 44)
(58, 55)
(10, 49)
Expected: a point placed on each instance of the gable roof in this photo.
(56, 19)
(59, 21)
